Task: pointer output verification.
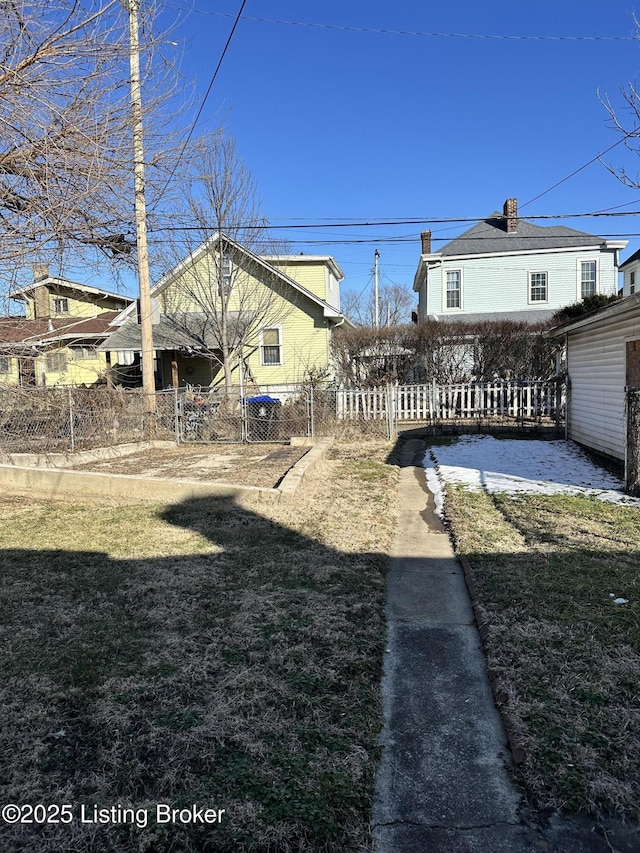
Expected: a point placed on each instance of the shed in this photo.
(603, 364)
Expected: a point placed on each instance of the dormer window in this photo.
(632, 282)
(60, 305)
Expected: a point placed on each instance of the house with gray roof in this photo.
(505, 268)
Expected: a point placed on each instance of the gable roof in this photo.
(168, 278)
(490, 237)
(23, 292)
(630, 260)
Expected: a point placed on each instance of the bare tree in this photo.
(625, 120)
(394, 305)
(444, 352)
(65, 137)
(221, 294)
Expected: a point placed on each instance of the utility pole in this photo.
(144, 290)
(376, 311)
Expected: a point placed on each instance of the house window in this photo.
(632, 282)
(224, 274)
(587, 278)
(454, 288)
(537, 287)
(5, 364)
(80, 353)
(271, 346)
(60, 305)
(56, 362)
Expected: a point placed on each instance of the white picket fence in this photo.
(477, 400)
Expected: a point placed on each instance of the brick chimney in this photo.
(425, 237)
(41, 302)
(510, 212)
(40, 272)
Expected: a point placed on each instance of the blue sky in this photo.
(337, 122)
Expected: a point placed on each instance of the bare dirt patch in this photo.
(262, 465)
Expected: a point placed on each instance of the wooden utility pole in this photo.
(144, 290)
(376, 298)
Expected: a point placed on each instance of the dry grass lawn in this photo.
(566, 656)
(212, 653)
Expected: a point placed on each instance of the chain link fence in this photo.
(41, 420)
(633, 442)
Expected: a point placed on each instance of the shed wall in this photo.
(596, 361)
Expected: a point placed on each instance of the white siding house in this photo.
(603, 359)
(630, 270)
(507, 268)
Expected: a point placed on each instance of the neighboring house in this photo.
(630, 270)
(505, 268)
(603, 360)
(56, 342)
(281, 314)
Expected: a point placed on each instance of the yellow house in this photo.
(56, 342)
(273, 314)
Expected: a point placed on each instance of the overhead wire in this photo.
(419, 33)
(202, 103)
(622, 139)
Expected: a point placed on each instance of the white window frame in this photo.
(60, 305)
(632, 282)
(275, 327)
(83, 353)
(530, 299)
(582, 261)
(445, 289)
(56, 361)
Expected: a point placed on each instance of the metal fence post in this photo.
(311, 427)
(71, 433)
(244, 419)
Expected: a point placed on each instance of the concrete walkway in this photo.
(443, 783)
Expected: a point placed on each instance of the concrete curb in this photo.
(40, 476)
(59, 460)
(293, 479)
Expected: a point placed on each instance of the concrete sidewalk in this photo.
(443, 781)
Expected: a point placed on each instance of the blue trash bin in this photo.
(263, 414)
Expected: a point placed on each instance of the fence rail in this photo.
(45, 420)
(472, 400)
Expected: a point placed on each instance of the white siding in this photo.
(596, 362)
(501, 283)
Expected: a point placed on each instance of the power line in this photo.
(580, 168)
(378, 223)
(204, 101)
(423, 34)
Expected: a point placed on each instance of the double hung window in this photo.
(454, 288)
(588, 285)
(271, 346)
(538, 287)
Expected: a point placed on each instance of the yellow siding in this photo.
(79, 371)
(305, 331)
(88, 305)
(309, 275)
(11, 377)
(305, 346)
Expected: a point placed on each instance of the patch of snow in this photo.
(522, 466)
